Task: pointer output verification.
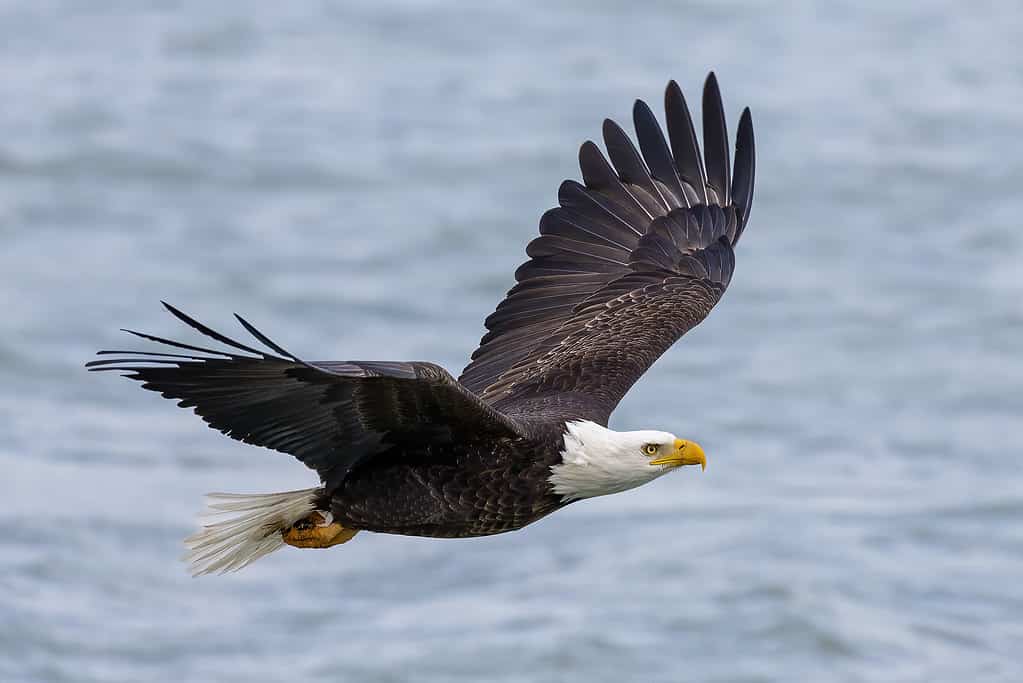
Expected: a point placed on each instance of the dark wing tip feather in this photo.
(597, 173)
(264, 339)
(150, 358)
(176, 344)
(192, 322)
(624, 156)
(684, 146)
(715, 140)
(745, 168)
(655, 149)
(132, 356)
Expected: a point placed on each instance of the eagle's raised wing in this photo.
(330, 415)
(625, 265)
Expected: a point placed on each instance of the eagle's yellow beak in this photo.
(685, 453)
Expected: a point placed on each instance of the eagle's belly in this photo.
(462, 491)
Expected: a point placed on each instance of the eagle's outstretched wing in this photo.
(330, 415)
(625, 265)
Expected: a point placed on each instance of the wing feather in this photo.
(599, 175)
(745, 164)
(715, 141)
(629, 164)
(684, 147)
(657, 155)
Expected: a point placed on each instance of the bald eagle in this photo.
(630, 260)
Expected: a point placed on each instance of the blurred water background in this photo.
(359, 179)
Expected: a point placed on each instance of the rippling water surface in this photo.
(360, 180)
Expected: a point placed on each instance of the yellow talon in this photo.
(315, 532)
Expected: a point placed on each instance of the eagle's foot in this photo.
(317, 530)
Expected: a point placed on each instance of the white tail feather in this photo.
(249, 527)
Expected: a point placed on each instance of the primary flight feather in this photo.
(628, 262)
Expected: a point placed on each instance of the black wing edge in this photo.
(745, 170)
(709, 178)
(715, 141)
(134, 362)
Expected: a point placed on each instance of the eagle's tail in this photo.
(249, 526)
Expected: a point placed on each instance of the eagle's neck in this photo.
(596, 461)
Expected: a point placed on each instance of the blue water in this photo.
(360, 179)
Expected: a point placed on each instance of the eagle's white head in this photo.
(597, 461)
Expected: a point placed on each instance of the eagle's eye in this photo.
(650, 449)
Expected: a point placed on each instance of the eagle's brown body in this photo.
(470, 489)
